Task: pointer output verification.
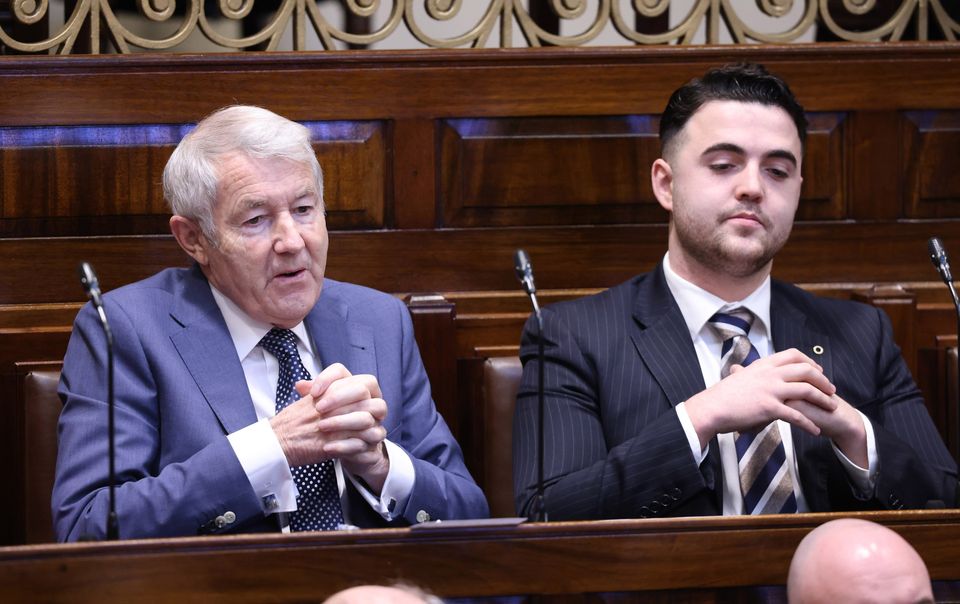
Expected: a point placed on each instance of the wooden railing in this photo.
(693, 559)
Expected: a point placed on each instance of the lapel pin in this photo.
(817, 349)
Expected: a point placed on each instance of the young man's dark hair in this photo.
(744, 82)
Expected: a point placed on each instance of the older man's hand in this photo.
(352, 412)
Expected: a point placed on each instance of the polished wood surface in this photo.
(704, 556)
(466, 139)
(439, 164)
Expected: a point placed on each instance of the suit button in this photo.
(656, 507)
(675, 493)
(423, 516)
(645, 512)
(229, 517)
(220, 522)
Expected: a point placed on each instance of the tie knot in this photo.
(281, 343)
(732, 323)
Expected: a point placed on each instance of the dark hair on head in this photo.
(743, 82)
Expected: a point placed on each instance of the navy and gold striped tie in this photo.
(765, 480)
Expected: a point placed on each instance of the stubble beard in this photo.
(723, 254)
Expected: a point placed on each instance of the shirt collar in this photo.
(697, 304)
(245, 331)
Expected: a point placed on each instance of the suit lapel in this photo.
(205, 346)
(336, 338)
(663, 341)
(791, 328)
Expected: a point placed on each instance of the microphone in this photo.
(938, 255)
(91, 285)
(524, 271)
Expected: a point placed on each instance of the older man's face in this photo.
(272, 248)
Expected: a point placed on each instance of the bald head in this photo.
(856, 561)
(378, 594)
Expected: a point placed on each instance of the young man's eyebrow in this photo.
(732, 148)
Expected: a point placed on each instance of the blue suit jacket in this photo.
(180, 389)
(619, 362)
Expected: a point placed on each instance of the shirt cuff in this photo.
(396, 488)
(691, 432)
(864, 479)
(265, 465)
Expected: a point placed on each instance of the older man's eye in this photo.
(253, 221)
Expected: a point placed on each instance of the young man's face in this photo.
(732, 184)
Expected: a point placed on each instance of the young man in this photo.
(704, 387)
(252, 393)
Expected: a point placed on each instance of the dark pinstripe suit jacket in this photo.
(618, 362)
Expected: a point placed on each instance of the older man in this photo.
(252, 393)
(857, 562)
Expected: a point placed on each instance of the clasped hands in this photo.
(787, 385)
(340, 415)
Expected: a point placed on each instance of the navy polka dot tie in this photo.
(318, 505)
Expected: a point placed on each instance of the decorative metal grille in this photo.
(94, 27)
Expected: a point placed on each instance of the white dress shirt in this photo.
(256, 445)
(697, 306)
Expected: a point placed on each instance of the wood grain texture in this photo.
(439, 164)
(573, 559)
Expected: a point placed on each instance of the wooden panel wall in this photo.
(439, 164)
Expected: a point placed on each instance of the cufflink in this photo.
(423, 516)
(224, 519)
(270, 503)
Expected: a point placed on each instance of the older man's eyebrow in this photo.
(306, 192)
(732, 148)
(253, 202)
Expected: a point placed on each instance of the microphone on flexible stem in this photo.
(938, 255)
(91, 285)
(524, 272)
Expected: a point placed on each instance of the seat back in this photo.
(37, 461)
(501, 381)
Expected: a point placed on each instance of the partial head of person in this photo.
(729, 173)
(378, 594)
(858, 562)
(246, 192)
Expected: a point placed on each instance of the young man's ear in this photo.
(190, 237)
(661, 177)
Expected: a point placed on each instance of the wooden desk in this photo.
(703, 557)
